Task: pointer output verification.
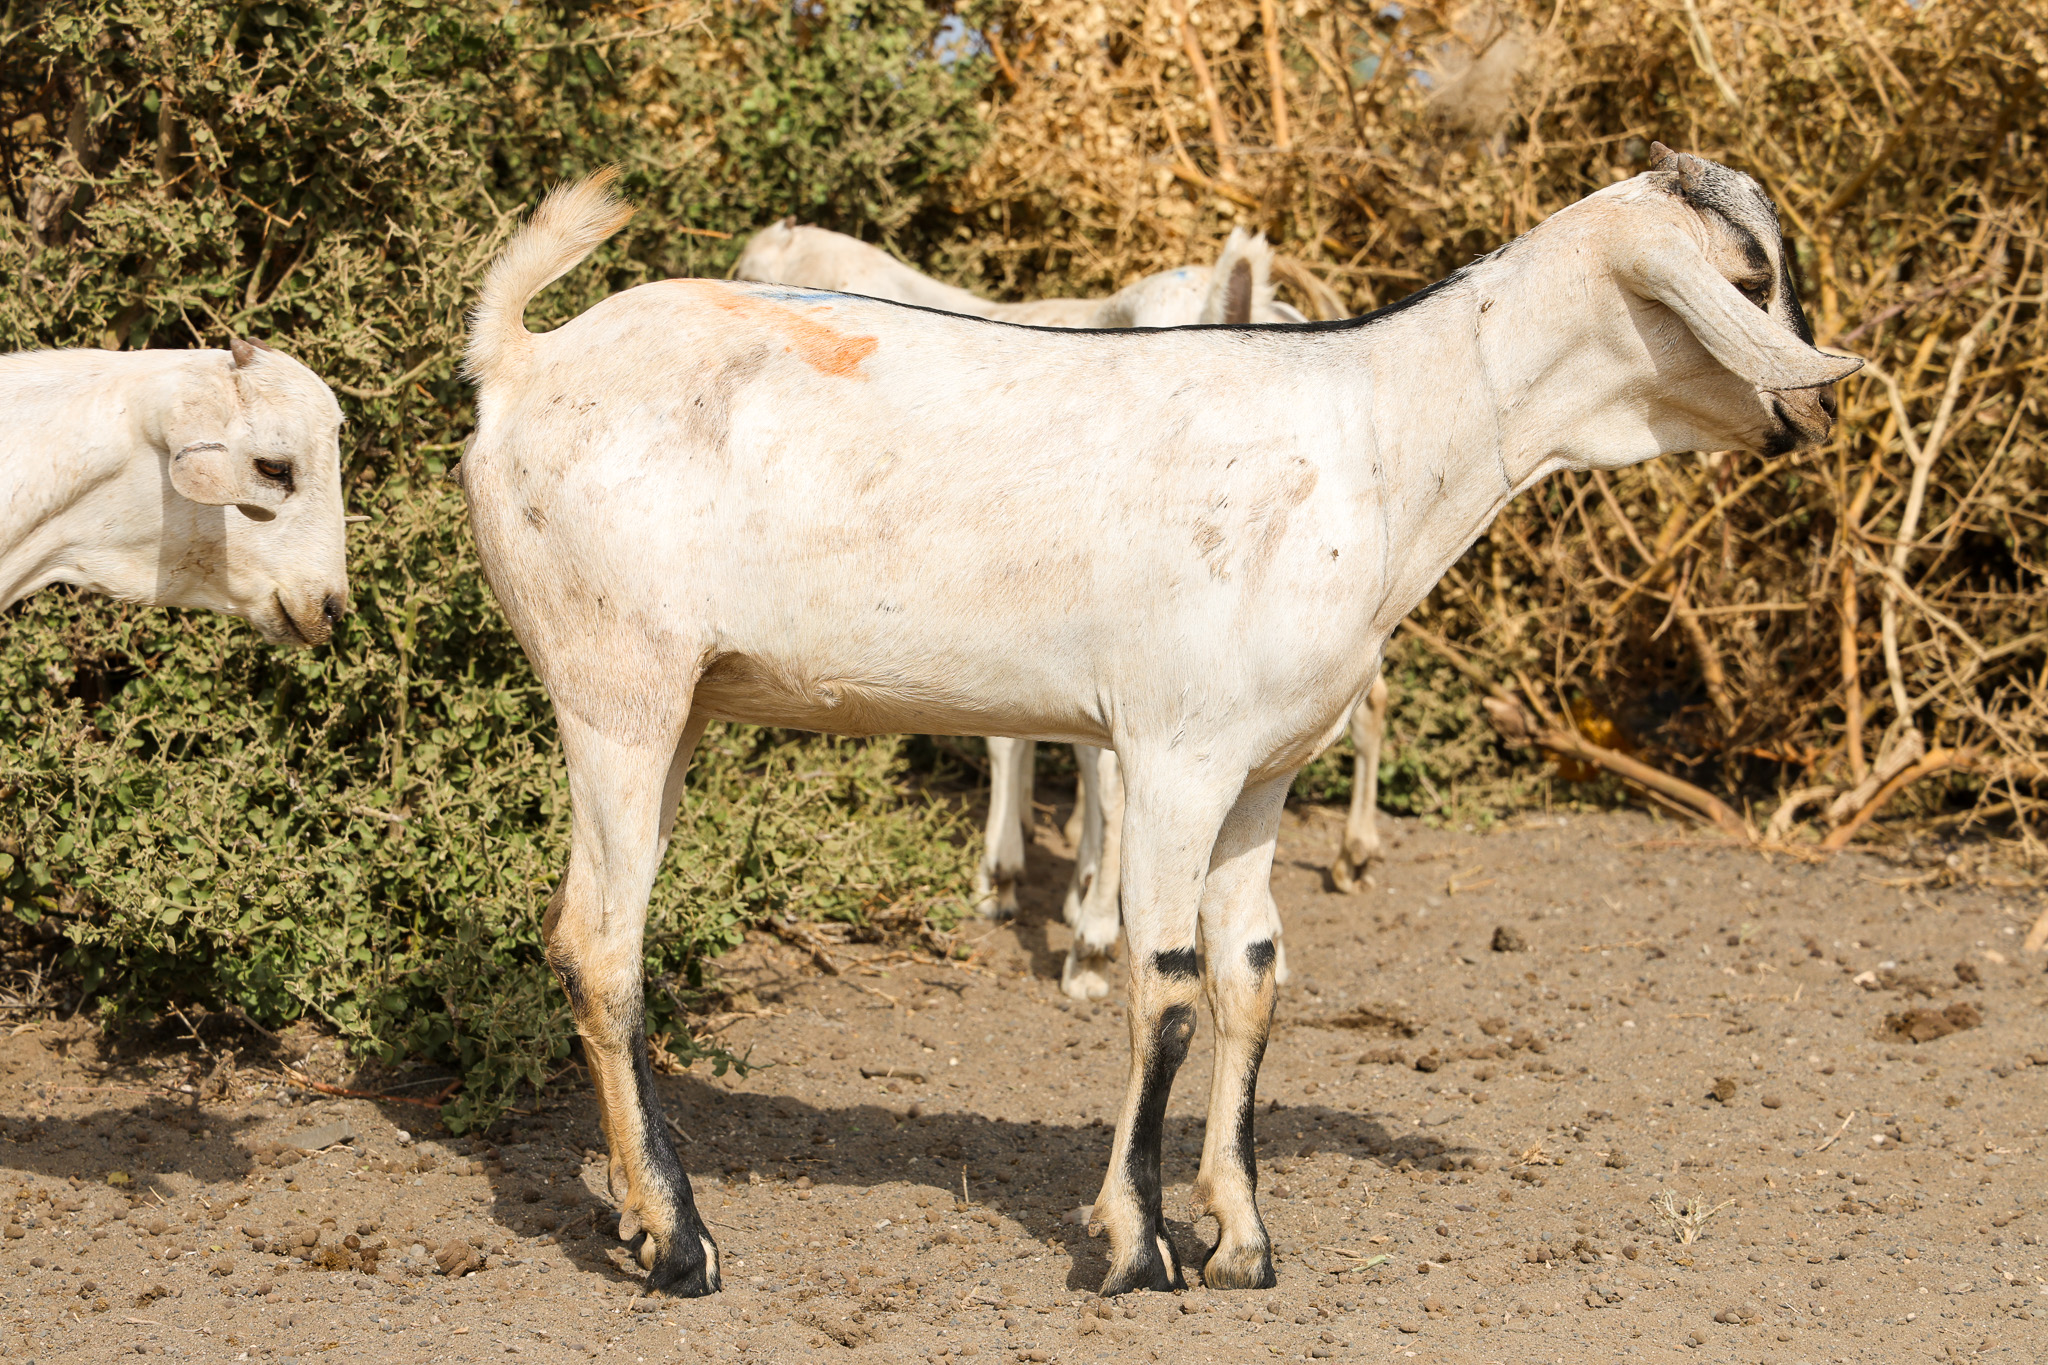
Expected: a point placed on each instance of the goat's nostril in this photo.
(332, 606)
(1827, 403)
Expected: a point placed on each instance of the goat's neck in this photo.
(1479, 393)
(42, 523)
(58, 536)
(87, 511)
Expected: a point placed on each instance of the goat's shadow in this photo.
(1033, 1172)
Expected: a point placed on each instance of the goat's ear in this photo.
(207, 472)
(202, 426)
(1667, 266)
(245, 350)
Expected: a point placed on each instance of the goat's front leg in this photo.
(1091, 908)
(1170, 826)
(1010, 769)
(1361, 824)
(622, 808)
(1237, 924)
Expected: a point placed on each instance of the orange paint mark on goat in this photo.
(823, 348)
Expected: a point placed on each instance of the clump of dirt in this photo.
(1926, 1025)
(1377, 1019)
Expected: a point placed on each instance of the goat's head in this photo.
(768, 253)
(1707, 276)
(253, 518)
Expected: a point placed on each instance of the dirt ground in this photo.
(1502, 1077)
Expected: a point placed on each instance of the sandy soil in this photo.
(1492, 1068)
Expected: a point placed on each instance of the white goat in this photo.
(1238, 289)
(204, 479)
(707, 500)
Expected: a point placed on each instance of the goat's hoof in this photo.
(1000, 905)
(1086, 976)
(687, 1270)
(1348, 875)
(1152, 1266)
(1247, 1265)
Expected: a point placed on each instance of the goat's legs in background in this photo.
(622, 797)
(1091, 908)
(1238, 960)
(1174, 809)
(1011, 763)
(1361, 828)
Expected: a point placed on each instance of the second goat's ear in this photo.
(245, 351)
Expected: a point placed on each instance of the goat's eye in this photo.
(1758, 294)
(276, 470)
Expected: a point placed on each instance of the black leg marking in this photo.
(1260, 956)
(688, 1266)
(1244, 1140)
(1155, 1265)
(1247, 1104)
(1177, 964)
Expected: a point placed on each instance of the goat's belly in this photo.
(764, 689)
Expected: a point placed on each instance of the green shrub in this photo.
(367, 833)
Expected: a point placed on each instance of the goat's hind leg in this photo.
(1361, 823)
(1091, 909)
(623, 798)
(1011, 763)
(1239, 971)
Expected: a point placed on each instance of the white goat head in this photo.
(1706, 311)
(255, 461)
(208, 479)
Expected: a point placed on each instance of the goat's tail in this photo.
(1241, 283)
(570, 224)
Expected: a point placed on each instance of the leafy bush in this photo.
(367, 833)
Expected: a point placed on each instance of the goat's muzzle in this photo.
(1804, 417)
(313, 620)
